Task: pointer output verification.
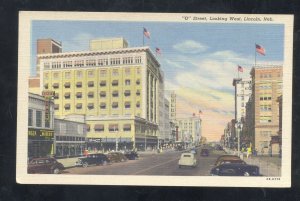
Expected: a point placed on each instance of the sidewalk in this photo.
(269, 166)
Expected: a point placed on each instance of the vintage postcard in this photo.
(154, 99)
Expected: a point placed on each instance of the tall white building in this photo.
(242, 92)
(189, 129)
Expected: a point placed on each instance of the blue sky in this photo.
(199, 60)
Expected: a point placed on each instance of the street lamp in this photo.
(239, 127)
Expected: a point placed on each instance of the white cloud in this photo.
(174, 64)
(190, 46)
(78, 43)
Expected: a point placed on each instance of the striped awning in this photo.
(79, 94)
(67, 105)
(91, 83)
(79, 105)
(55, 85)
(113, 126)
(91, 105)
(79, 84)
(115, 82)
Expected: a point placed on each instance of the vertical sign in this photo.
(47, 95)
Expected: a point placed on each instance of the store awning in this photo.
(79, 105)
(55, 85)
(67, 105)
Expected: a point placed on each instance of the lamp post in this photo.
(239, 127)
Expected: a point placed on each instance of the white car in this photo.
(187, 159)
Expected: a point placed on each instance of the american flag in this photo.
(146, 33)
(157, 50)
(260, 49)
(240, 69)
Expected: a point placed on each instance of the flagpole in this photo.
(143, 37)
(255, 55)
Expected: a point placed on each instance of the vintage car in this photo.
(44, 165)
(227, 161)
(187, 159)
(204, 152)
(92, 159)
(116, 157)
(235, 169)
(226, 157)
(131, 155)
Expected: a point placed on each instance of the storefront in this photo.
(40, 142)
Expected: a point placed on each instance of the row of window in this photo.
(265, 108)
(265, 119)
(90, 106)
(69, 138)
(110, 128)
(268, 75)
(102, 94)
(91, 73)
(265, 97)
(93, 62)
(67, 85)
(38, 119)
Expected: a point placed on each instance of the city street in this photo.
(165, 163)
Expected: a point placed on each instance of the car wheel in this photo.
(104, 163)
(246, 174)
(85, 165)
(56, 171)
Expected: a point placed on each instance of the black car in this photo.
(131, 155)
(204, 152)
(44, 165)
(235, 169)
(92, 159)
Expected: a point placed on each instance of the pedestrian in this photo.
(249, 151)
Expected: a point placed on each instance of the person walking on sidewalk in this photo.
(249, 152)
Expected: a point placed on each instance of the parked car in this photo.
(204, 152)
(92, 159)
(227, 161)
(235, 169)
(116, 157)
(44, 165)
(131, 155)
(187, 159)
(226, 157)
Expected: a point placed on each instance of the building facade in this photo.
(266, 89)
(116, 89)
(40, 126)
(69, 137)
(189, 129)
(242, 92)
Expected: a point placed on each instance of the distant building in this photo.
(189, 129)
(266, 89)
(47, 46)
(40, 126)
(242, 92)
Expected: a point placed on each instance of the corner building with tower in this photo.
(114, 86)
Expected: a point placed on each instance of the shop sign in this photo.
(40, 134)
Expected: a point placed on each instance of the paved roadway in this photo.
(165, 163)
